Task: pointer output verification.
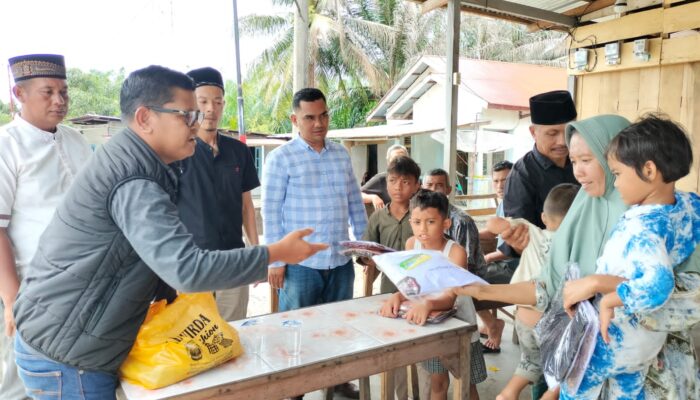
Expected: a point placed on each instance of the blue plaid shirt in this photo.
(302, 188)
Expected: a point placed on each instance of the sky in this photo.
(130, 34)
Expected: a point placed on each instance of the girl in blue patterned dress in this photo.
(654, 236)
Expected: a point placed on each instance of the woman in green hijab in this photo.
(581, 238)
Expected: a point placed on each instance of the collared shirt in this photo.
(386, 230)
(303, 188)
(377, 185)
(465, 232)
(528, 184)
(36, 169)
(210, 193)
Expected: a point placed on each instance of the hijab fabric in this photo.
(582, 234)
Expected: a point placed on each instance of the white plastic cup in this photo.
(291, 336)
(252, 336)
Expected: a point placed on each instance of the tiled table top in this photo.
(329, 331)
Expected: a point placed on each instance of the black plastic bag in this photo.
(566, 344)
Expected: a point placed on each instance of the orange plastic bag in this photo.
(179, 340)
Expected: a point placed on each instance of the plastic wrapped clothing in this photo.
(567, 344)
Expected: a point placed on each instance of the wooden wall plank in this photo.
(609, 93)
(670, 87)
(689, 118)
(628, 97)
(649, 79)
(686, 16)
(680, 49)
(627, 59)
(590, 95)
(630, 26)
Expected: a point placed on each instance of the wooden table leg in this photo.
(462, 379)
(274, 300)
(365, 393)
(387, 385)
(328, 393)
(413, 381)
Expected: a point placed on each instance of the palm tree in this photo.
(359, 48)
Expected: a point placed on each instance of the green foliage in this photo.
(5, 116)
(94, 92)
(359, 48)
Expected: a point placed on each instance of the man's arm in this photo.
(356, 208)
(518, 202)
(9, 283)
(250, 226)
(151, 223)
(274, 191)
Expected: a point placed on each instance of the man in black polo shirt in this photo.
(542, 168)
(214, 197)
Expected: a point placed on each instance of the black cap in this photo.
(552, 108)
(38, 66)
(206, 76)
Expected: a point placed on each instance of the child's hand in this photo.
(418, 313)
(607, 313)
(390, 308)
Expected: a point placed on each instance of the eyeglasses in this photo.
(190, 116)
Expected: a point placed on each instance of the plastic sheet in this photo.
(567, 344)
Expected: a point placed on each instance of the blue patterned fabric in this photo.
(645, 246)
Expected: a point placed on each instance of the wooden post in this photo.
(451, 86)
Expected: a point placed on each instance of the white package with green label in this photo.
(420, 272)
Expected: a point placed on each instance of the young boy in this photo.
(429, 220)
(654, 236)
(390, 227)
(532, 259)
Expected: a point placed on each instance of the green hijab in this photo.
(587, 226)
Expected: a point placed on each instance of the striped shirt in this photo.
(302, 188)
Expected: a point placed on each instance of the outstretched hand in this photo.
(293, 249)
(517, 237)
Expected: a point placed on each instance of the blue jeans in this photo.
(48, 379)
(304, 286)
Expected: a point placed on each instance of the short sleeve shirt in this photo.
(210, 195)
(36, 169)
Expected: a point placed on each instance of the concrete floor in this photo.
(500, 367)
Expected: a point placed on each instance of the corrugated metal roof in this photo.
(502, 85)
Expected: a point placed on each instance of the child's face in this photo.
(428, 224)
(401, 188)
(632, 188)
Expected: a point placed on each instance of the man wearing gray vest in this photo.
(114, 237)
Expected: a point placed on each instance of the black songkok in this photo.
(552, 108)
